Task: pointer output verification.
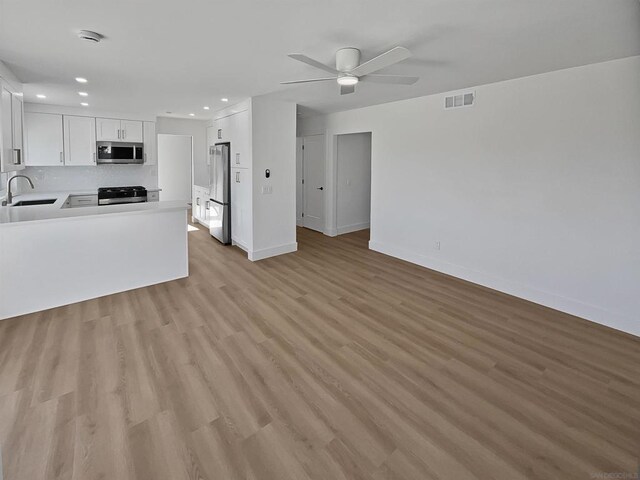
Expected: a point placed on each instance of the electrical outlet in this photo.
(267, 190)
(437, 245)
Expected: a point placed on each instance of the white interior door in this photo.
(314, 188)
(174, 167)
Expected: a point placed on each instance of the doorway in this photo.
(311, 182)
(175, 153)
(353, 193)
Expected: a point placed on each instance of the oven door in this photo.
(120, 153)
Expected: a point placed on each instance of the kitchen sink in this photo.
(24, 203)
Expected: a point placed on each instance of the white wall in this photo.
(534, 191)
(198, 130)
(274, 147)
(353, 199)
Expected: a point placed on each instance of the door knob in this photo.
(320, 188)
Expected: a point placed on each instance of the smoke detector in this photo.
(89, 35)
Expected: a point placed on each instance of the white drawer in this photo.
(153, 196)
(83, 200)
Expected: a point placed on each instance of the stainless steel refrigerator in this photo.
(220, 192)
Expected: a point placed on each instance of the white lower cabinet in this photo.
(200, 203)
(241, 206)
(83, 201)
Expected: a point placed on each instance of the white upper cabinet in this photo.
(58, 139)
(114, 130)
(44, 139)
(79, 140)
(150, 143)
(222, 130)
(11, 143)
(240, 140)
(131, 130)
(18, 124)
(108, 130)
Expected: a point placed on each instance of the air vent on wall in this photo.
(91, 36)
(460, 100)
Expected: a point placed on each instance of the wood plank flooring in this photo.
(331, 363)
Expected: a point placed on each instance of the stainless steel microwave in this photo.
(120, 153)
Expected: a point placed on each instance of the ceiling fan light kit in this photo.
(349, 71)
(347, 80)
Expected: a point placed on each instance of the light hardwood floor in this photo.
(331, 363)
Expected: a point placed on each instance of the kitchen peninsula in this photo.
(51, 255)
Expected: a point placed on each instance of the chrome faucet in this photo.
(9, 198)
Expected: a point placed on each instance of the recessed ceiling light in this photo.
(224, 99)
(206, 108)
(83, 94)
(41, 95)
(192, 114)
(81, 80)
(84, 104)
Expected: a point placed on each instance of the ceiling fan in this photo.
(349, 71)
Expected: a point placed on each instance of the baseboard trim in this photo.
(567, 305)
(353, 228)
(263, 253)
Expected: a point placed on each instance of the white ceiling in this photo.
(177, 56)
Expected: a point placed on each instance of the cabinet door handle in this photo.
(237, 177)
(206, 205)
(61, 157)
(124, 134)
(94, 157)
(145, 158)
(118, 134)
(17, 156)
(198, 201)
(237, 159)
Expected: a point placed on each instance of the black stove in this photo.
(118, 195)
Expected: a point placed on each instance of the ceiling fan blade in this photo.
(314, 63)
(391, 79)
(346, 89)
(394, 55)
(308, 80)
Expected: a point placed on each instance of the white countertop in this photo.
(55, 211)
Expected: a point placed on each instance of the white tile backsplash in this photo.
(55, 179)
